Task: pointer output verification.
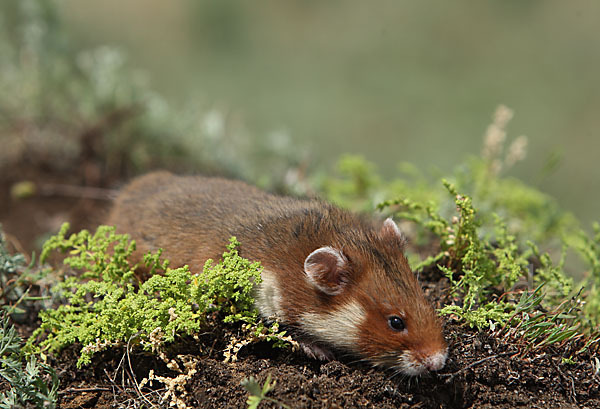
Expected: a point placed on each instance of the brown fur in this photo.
(193, 217)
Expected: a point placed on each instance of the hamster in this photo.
(340, 280)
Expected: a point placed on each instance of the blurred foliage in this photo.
(17, 280)
(393, 80)
(62, 106)
(528, 213)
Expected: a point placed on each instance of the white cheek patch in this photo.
(338, 328)
(268, 298)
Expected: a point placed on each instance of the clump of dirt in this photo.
(483, 371)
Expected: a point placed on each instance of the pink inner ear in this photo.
(326, 269)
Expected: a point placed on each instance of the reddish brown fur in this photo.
(192, 219)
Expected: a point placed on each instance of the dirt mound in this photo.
(482, 371)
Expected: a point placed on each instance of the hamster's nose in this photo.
(435, 362)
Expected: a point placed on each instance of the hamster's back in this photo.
(194, 216)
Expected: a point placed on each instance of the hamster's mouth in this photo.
(410, 364)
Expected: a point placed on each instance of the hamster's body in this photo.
(339, 279)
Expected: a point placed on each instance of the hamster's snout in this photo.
(436, 361)
(414, 363)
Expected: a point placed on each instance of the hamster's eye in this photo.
(396, 323)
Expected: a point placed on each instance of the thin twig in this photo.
(212, 348)
(570, 391)
(87, 192)
(17, 246)
(113, 383)
(77, 390)
(474, 364)
(132, 376)
(14, 307)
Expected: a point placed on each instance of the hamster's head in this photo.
(375, 306)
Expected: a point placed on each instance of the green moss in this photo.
(355, 185)
(105, 305)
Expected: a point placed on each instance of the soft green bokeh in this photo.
(392, 80)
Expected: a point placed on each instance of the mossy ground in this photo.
(483, 370)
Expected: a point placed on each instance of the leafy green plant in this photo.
(589, 249)
(16, 282)
(11, 281)
(9, 263)
(481, 265)
(258, 393)
(533, 328)
(499, 241)
(105, 305)
(30, 381)
(483, 271)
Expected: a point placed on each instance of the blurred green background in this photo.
(394, 80)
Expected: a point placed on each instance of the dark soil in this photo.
(483, 371)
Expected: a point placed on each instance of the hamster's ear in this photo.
(327, 269)
(390, 231)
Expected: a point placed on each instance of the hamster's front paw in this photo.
(316, 352)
